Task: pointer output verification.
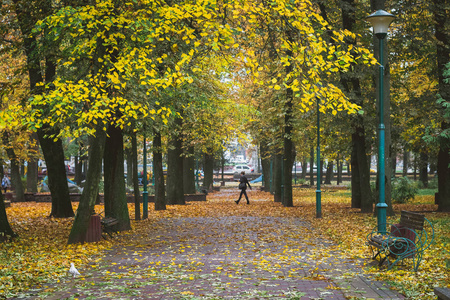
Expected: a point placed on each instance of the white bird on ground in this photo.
(73, 270)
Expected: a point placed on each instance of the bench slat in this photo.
(412, 220)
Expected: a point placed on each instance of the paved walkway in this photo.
(229, 257)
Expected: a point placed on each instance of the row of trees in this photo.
(415, 121)
(192, 76)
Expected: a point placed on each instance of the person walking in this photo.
(5, 182)
(243, 182)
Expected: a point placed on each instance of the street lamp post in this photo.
(144, 182)
(319, 168)
(380, 22)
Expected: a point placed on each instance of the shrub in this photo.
(403, 189)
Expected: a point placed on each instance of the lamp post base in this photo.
(381, 217)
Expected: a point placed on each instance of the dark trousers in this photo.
(243, 192)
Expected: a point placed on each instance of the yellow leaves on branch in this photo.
(303, 54)
(149, 45)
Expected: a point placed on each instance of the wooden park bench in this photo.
(408, 239)
(108, 224)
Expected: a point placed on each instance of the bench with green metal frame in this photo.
(408, 239)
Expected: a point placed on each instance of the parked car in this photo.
(239, 168)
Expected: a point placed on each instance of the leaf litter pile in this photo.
(210, 250)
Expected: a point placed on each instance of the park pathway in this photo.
(237, 256)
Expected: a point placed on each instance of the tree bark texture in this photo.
(355, 179)
(361, 192)
(133, 174)
(114, 182)
(160, 191)
(175, 193)
(129, 158)
(311, 166)
(423, 169)
(329, 173)
(56, 174)
(304, 168)
(339, 172)
(405, 162)
(188, 171)
(90, 191)
(32, 167)
(208, 170)
(78, 168)
(277, 177)
(265, 163)
(6, 231)
(441, 12)
(16, 181)
(288, 145)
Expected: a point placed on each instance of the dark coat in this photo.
(244, 179)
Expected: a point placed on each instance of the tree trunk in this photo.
(364, 173)
(304, 170)
(32, 168)
(53, 151)
(132, 173)
(6, 231)
(160, 191)
(188, 171)
(329, 173)
(441, 13)
(361, 193)
(208, 170)
(355, 178)
(175, 194)
(57, 178)
(90, 191)
(129, 155)
(114, 182)
(265, 163)
(394, 164)
(16, 181)
(277, 177)
(79, 166)
(423, 169)
(322, 166)
(405, 162)
(311, 166)
(288, 145)
(339, 172)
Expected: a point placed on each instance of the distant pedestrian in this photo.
(243, 182)
(5, 182)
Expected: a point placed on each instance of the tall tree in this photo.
(114, 182)
(441, 11)
(134, 176)
(160, 191)
(90, 191)
(53, 150)
(175, 193)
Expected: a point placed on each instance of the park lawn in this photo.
(40, 254)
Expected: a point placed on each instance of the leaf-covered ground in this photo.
(214, 249)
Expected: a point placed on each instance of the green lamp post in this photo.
(144, 182)
(380, 22)
(319, 167)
